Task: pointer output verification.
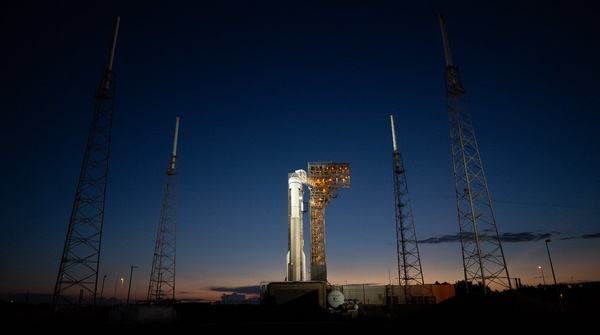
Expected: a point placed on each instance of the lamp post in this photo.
(544, 281)
(115, 292)
(543, 278)
(573, 289)
(553, 276)
(129, 289)
(121, 292)
(102, 290)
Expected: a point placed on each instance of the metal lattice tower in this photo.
(77, 281)
(409, 262)
(162, 278)
(483, 257)
(324, 180)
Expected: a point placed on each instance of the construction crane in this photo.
(77, 281)
(409, 263)
(324, 180)
(483, 258)
(161, 290)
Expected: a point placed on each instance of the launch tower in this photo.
(324, 180)
(409, 262)
(483, 258)
(161, 290)
(77, 281)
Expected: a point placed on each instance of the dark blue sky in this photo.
(262, 88)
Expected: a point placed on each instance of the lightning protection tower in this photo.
(409, 262)
(77, 281)
(483, 257)
(161, 290)
(324, 180)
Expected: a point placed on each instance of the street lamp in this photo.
(553, 276)
(115, 292)
(543, 278)
(129, 289)
(121, 292)
(102, 290)
(573, 289)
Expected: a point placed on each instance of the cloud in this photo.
(238, 289)
(524, 237)
(509, 237)
(585, 237)
(441, 239)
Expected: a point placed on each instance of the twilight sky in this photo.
(262, 88)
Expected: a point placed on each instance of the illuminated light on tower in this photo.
(77, 281)
(324, 180)
(483, 258)
(161, 290)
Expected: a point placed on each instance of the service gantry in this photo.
(324, 180)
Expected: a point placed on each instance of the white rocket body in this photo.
(296, 259)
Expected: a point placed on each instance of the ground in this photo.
(499, 311)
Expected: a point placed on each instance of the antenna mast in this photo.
(161, 290)
(483, 257)
(409, 262)
(77, 281)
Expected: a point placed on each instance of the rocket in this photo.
(295, 258)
